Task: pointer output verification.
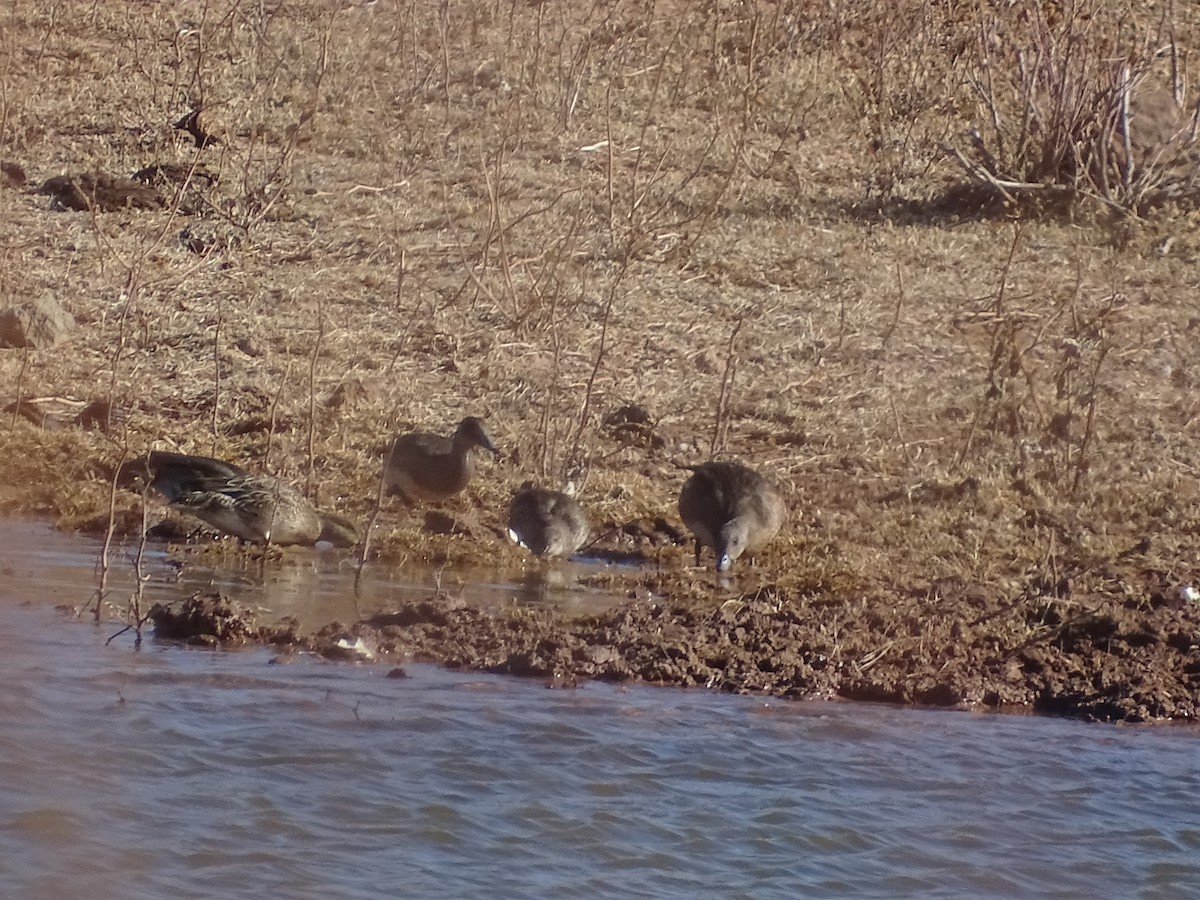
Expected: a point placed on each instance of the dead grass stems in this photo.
(136, 615)
(103, 563)
(1058, 93)
(310, 424)
(576, 454)
(584, 203)
(273, 418)
(216, 378)
(720, 431)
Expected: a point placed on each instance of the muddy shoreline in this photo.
(1114, 661)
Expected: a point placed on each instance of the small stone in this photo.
(36, 324)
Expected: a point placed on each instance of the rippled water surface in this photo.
(169, 772)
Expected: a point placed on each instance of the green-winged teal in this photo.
(427, 468)
(547, 523)
(731, 508)
(256, 508)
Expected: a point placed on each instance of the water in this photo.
(314, 587)
(186, 773)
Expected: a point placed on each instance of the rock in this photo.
(37, 324)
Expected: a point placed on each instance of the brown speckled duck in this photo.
(428, 468)
(731, 508)
(547, 523)
(255, 508)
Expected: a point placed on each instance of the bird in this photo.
(422, 467)
(547, 523)
(730, 508)
(256, 508)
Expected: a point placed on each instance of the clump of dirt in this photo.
(214, 620)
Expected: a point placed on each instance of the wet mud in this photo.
(1111, 661)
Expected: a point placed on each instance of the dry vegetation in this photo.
(809, 235)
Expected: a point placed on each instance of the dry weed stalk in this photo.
(364, 547)
(999, 331)
(901, 58)
(20, 398)
(406, 318)
(106, 547)
(264, 169)
(1039, 386)
(9, 55)
(548, 443)
(216, 353)
(655, 193)
(129, 296)
(311, 423)
(1058, 93)
(896, 310)
(575, 454)
(721, 414)
(750, 94)
(548, 310)
(1078, 385)
(273, 419)
(540, 271)
(135, 618)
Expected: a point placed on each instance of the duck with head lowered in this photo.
(545, 522)
(730, 508)
(256, 508)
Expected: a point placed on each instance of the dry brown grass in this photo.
(539, 212)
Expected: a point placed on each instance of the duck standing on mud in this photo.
(429, 468)
(255, 508)
(547, 523)
(731, 508)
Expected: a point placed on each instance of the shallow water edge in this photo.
(1115, 661)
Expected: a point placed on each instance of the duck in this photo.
(731, 508)
(428, 468)
(256, 508)
(545, 522)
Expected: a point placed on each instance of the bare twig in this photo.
(721, 417)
